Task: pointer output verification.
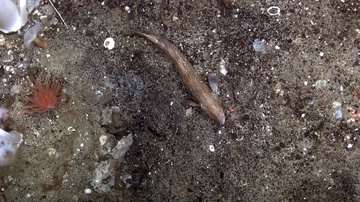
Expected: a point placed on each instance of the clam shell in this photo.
(12, 15)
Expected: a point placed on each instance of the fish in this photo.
(209, 102)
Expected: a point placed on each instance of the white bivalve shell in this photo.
(14, 13)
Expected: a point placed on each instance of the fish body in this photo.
(208, 101)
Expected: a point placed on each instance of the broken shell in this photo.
(12, 16)
(109, 43)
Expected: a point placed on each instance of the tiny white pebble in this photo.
(349, 146)
(322, 54)
(109, 43)
(127, 8)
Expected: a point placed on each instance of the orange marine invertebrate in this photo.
(45, 97)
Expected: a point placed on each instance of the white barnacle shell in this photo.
(13, 15)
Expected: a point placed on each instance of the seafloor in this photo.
(121, 134)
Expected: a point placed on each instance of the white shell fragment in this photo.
(223, 64)
(14, 13)
(259, 45)
(211, 148)
(109, 43)
(103, 139)
(273, 10)
(338, 114)
(320, 84)
(71, 129)
(87, 191)
(12, 16)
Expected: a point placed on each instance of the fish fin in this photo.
(214, 83)
(190, 103)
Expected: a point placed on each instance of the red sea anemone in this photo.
(45, 97)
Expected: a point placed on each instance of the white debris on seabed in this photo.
(104, 178)
(341, 88)
(105, 171)
(259, 45)
(189, 112)
(109, 43)
(338, 114)
(305, 145)
(103, 139)
(223, 64)
(336, 104)
(211, 148)
(71, 129)
(273, 10)
(124, 177)
(311, 102)
(127, 9)
(320, 84)
(87, 191)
